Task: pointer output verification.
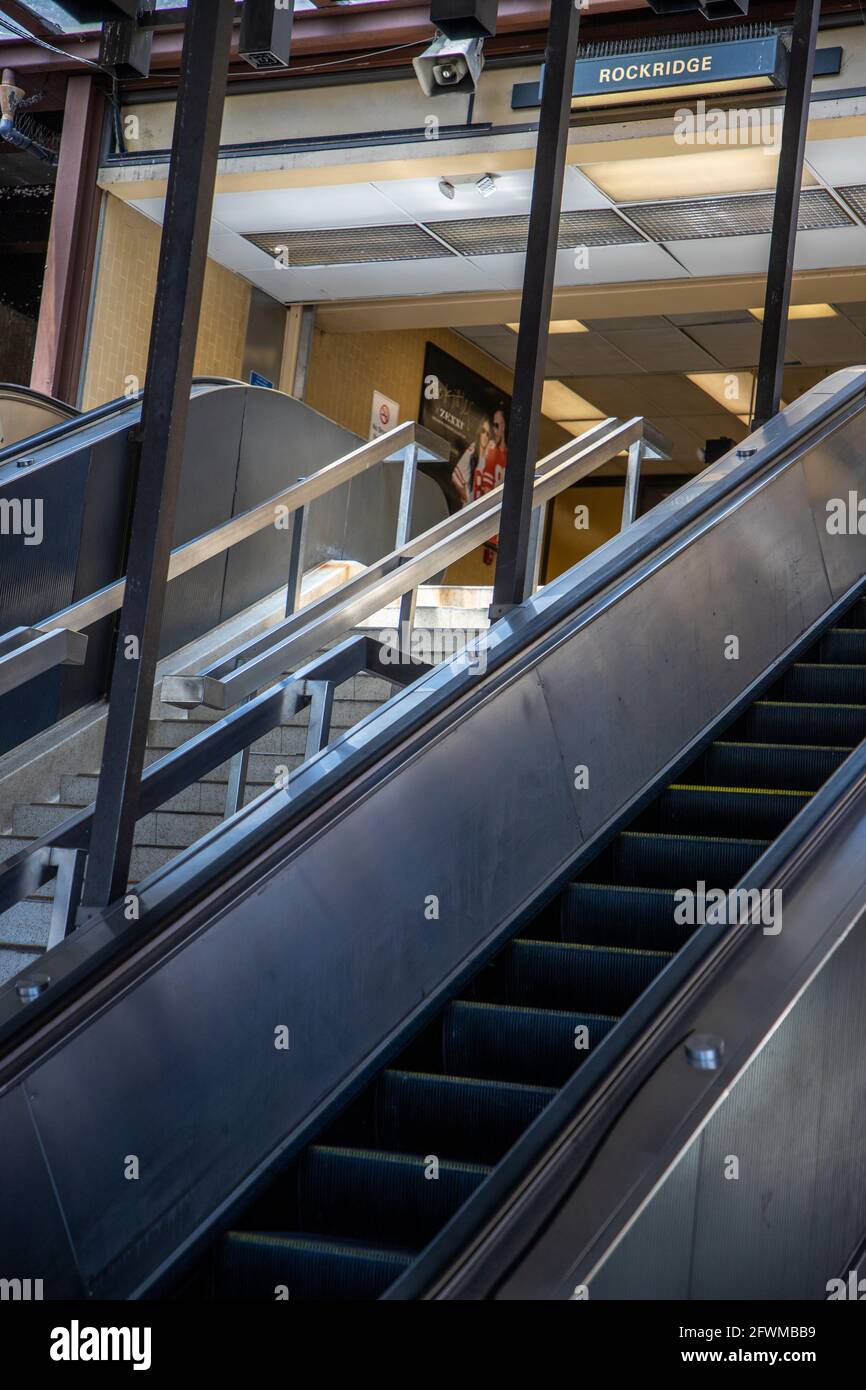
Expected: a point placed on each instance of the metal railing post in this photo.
(408, 602)
(632, 483)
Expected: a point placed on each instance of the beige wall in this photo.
(126, 280)
(346, 368)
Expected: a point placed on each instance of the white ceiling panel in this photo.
(613, 264)
(580, 192)
(836, 246)
(390, 279)
(735, 255)
(838, 162)
(306, 209)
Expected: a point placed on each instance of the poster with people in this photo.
(472, 414)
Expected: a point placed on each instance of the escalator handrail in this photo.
(81, 420)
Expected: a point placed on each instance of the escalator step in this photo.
(856, 615)
(602, 979)
(767, 765)
(387, 1198)
(774, 721)
(831, 684)
(599, 914)
(462, 1117)
(762, 813)
(252, 1266)
(646, 860)
(539, 1046)
(841, 644)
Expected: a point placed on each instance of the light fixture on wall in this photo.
(486, 185)
(447, 189)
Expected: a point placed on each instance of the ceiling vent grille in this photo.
(739, 216)
(855, 194)
(490, 236)
(349, 245)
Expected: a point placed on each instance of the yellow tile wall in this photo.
(126, 281)
(346, 368)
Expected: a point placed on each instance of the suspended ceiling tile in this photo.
(649, 347)
(855, 311)
(485, 333)
(854, 196)
(587, 353)
(711, 316)
(838, 161)
(632, 322)
(608, 265)
(695, 173)
(689, 219)
(350, 245)
(644, 394)
(684, 442)
(715, 256)
(731, 344)
(502, 235)
(579, 192)
(384, 280)
(286, 285)
(305, 209)
(843, 246)
(832, 341)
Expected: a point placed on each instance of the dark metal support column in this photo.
(541, 248)
(180, 280)
(787, 210)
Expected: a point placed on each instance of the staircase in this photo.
(445, 619)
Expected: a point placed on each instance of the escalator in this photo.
(364, 1200)
(417, 1024)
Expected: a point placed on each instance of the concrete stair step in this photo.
(26, 924)
(13, 962)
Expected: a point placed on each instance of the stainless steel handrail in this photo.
(264, 658)
(408, 441)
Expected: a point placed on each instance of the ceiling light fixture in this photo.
(559, 402)
(557, 326)
(802, 311)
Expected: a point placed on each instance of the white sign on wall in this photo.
(384, 415)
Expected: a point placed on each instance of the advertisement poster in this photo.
(472, 414)
(384, 415)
